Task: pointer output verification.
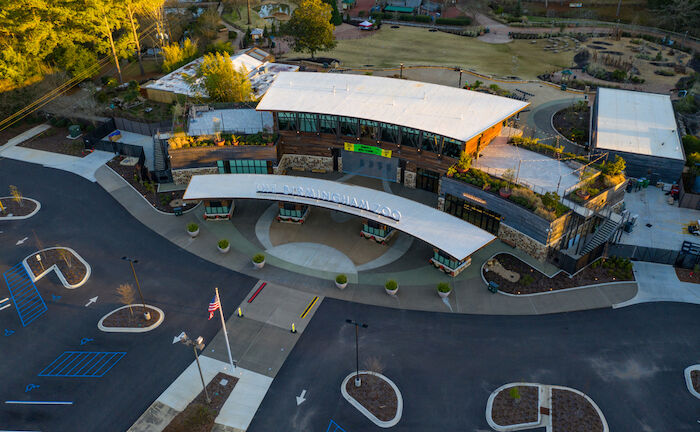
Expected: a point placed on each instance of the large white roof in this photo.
(444, 231)
(449, 111)
(636, 122)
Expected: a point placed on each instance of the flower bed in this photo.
(74, 271)
(221, 140)
(376, 395)
(573, 412)
(687, 275)
(532, 281)
(12, 207)
(131, 317)
(572, 122)
(199, 415)
(508, 410)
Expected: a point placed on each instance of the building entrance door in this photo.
(368, 165)
(427, 180)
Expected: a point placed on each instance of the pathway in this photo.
(82, 166)
(659, 283)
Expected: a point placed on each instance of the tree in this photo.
(678, 15)
(218, 77)
(126, 296)
(311, 27)
(103, 22)
(175, 55)
(336, 18)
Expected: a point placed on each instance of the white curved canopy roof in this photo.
(449, 111)
(446, 232)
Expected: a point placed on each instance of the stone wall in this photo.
(295, 162)
(441, 203)
(523, 242)
(183, 176)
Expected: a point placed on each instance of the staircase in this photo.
(158, 155)
(603, 234)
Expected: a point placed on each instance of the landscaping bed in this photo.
(72, 269)
(146, 188)
(571, 412)
(199, 415)
(14, 208)
(131, 317)
(687, 275)
(54, 140)
(572, 122)
(508, 410)
(695, 379)
(531, 281)
(376, 395)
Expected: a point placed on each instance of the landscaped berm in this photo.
(514, 276)
(376, 395)
(132, 316)
(516, 405)
(71, 267)
(11, 206)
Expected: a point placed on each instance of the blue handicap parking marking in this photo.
(82, 364)
(9, 332)
(25, 296)
(55, 297)
(83, 341)
(334, 427)
(31, 387)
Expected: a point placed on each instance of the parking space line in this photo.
(309, 307)
(24, 294)
(82, 364)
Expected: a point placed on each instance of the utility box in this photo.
(74, 131)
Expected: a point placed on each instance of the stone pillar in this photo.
(409, 179)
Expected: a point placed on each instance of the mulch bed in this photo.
(695, 379)
(15, 208)
(375, 394)
(54, 140)
(199, 416)
(571, 412)
(542, 283)
(131, 318)
(161, 201)
(74, 271)
(507, 411)
(9, 133)
(687, 275)
(568, 120)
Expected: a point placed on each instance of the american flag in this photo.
(214, 305)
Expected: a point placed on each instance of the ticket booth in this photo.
(219, 209)
(449, 264)
(376, 231)
(292, 212)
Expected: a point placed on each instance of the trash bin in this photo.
(178, 211)
(563, 87)
(493, 287)
(74, 131)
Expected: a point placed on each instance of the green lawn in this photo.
(417, 46)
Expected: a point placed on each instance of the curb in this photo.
(54, 267)
(689, 381)
(130, 329)
(36, 210)
(513, 427)
(364, 411)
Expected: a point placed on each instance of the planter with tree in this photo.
(465, 162)
(341, 281)
(223, 245)
(391, 287)
(193, 230)
(259, 260)
(506, 191)
(444, 289)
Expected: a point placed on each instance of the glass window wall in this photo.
(390, 133)
(307, 122)
(348, 126)
(451, 147)
(369, 129)
(431, 142)
(287, 121)
(410, 137)
(328, 124)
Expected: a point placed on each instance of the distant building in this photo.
(641, 128)
(258, 63)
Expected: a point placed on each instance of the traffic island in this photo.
(377, 398)
(513, 276)
(199, 416)
(12, 208)
(692, 380)
(573, 411)
(516, 406)
(72, 270)
(131, 319)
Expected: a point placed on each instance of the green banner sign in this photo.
(361, 148)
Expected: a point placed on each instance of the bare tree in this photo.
(66, 256)
(127, 296)
(374, 364)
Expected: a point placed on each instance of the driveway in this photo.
(659, 283)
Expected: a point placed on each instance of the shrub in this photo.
(223, 243)
(618, 75)
(691, 144)
(341, 279)
(527, 198)
(664, 72)
(514, 393)
(391, 285)
(361, 13)
(192, 227)
(258, 258)
(527, 280)
(546, 214)
(444, 287)
(687, 105)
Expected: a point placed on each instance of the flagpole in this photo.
(223, 325)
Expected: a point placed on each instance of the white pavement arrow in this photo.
(92, 300)
(19, 242)
(301, 398)
(177, 339)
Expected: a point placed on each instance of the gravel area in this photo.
(199, 415)
(131, 317)
(507, 411)
(538, 282)
(15, 208)
(72, 269)
(376, 395)
(571, 412)
(54, 140)
(695, 378)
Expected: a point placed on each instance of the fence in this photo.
(95, 140)
(649, 254)
(149, 129)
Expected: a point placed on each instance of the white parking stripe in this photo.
(5, 307)
(3, 301)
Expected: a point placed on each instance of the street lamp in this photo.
(401, 73)
(357, 349)
(146, 314)
(197, 344)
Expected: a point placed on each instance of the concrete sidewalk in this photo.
(82, 166)
(659, 283)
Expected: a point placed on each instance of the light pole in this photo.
(357, 349)
(197, 344)
(132, 261)
(401, 73)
